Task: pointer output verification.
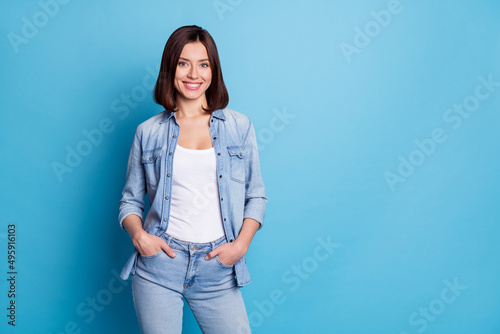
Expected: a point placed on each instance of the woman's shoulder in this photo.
(238, 122)
(151, 123)
(238, 117)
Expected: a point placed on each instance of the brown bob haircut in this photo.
(164, 92)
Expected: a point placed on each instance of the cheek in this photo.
(208, 77)
(181, 72)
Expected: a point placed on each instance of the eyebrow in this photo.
(190, 60)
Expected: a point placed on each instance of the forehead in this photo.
(194, 51)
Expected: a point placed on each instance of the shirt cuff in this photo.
(255, 210)
(125, 212)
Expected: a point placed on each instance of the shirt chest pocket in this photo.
(151, 160)
(237, 163)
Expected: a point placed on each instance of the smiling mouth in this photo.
(191, 86)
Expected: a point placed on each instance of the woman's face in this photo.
(193, 74)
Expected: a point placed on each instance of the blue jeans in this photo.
(209, 287)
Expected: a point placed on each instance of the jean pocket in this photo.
(236, 163)
(148, 257)
(221, 264)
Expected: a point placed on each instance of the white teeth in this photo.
(192, 85)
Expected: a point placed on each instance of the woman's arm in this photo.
(132, 201)
(248, 230)
(255, 197)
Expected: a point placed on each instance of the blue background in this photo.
(352, 119)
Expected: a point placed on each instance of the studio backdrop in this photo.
(377, 125)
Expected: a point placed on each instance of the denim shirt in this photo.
(150, 171)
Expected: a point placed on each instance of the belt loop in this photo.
(168, 239)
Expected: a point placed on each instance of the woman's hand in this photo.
(229, 253)
(146, 244)
(149, 244)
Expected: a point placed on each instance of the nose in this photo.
(193, 72)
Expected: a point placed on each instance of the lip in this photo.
(189, 85)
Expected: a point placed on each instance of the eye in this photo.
(204, 65)
(182, 63)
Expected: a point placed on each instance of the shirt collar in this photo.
(219, 113)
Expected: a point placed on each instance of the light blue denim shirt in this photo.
(149, 171)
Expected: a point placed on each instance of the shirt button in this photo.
(218, 153)
(150, 158)
(211, 120)
(168, 175)
(169, 153)
(220, 175)
(221, 199)
(175, 136)
(230, 240)
(164, 219)
(224, 219)
(215, 137)
(166, 197)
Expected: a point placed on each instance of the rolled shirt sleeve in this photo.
(255, 198)
(132, 201)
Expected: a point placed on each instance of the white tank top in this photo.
(195, 213)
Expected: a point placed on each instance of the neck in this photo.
(191, 108)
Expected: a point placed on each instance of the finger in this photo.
(210, 255)
(170, 252)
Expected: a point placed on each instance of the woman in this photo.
(198, 163)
